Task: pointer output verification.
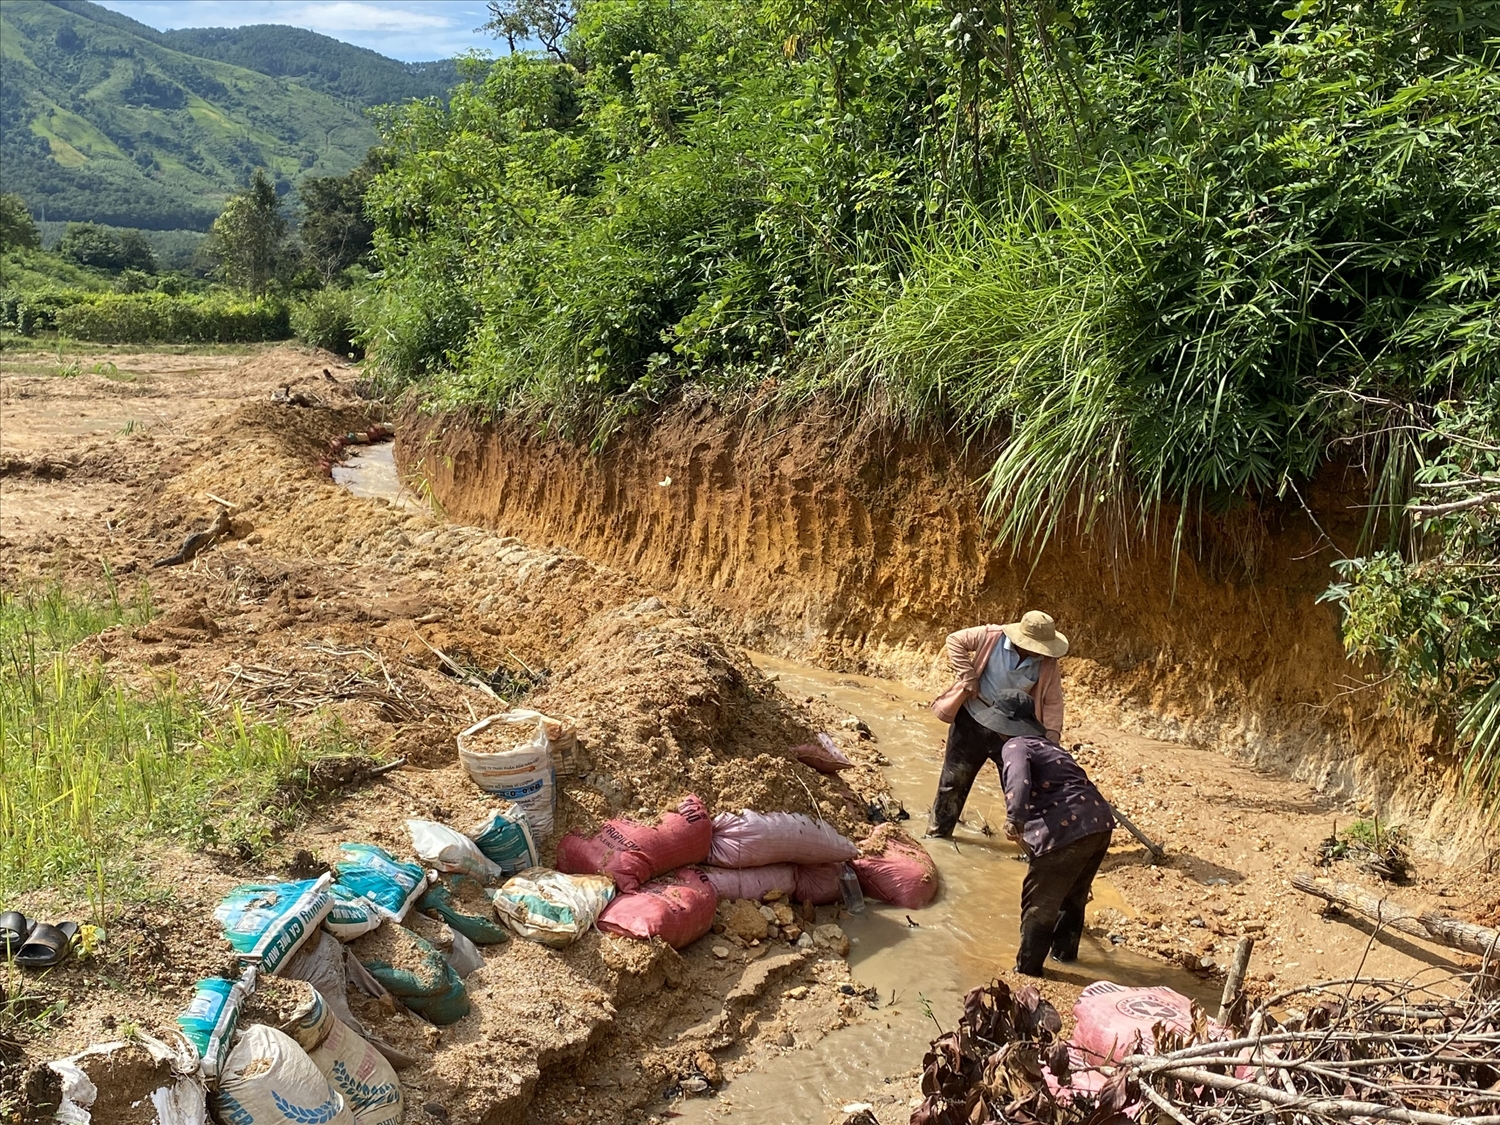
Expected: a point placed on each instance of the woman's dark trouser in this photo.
(1053, 897)
(970, 745)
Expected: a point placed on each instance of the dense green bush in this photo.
(325, 319)
(139, 318)
(31, 311)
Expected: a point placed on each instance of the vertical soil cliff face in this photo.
(863, 552)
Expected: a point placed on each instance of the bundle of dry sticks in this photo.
(1425, 1053)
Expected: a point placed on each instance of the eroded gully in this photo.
(920, 962)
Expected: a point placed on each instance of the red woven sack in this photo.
(818, 883)
(631, 853)
(678, 908)
(753, 882)
(896, 869)
(823, 755)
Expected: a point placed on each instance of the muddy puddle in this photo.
(921, 971)
(370, 471)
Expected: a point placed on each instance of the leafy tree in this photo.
(89, 244)
(335, 232)
(136, 253)
(545, 21)
(17, 229)
(247, 240)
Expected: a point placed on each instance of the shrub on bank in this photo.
(325, 319)
(139, 318)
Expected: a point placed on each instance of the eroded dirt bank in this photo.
(862, 551)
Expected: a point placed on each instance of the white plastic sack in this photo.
(323, 965)
(351, 1064)
(268, 922)
(178, 1098)
(756, 839)
(450, 850)
(550, 907)
(562, 738)
(269, 1080)
(523, 775)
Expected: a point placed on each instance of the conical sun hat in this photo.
(1036, 632)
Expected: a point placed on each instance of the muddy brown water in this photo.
(920, 962)
(921, 971)
(370, 471)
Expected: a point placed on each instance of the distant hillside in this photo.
(352, 74)
(104, 119)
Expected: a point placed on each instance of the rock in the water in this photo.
(832, 938)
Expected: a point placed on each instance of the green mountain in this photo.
(105, 119)
(354, 75)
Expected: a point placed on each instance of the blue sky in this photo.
(404, 29)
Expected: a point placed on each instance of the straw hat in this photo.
(1036, 632)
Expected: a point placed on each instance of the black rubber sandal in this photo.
(47, 945)
(13, 930)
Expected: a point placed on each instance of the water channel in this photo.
(921, 962)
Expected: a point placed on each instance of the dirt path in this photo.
(115, 465)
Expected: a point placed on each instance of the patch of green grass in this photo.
(90, 768)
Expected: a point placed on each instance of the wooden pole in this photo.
(1428, 924)
(1234, 980)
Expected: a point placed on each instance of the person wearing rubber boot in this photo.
(988, 659)
(1062, 822)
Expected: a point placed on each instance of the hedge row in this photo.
(140, 318)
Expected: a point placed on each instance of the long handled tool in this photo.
(1154, 851)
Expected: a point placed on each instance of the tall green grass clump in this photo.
(326, 319)
(91, 769)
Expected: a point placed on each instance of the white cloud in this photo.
(404, 29)
(349, 15)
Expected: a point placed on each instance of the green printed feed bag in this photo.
(352, 915)
(476, 927)
(268, 922)
(423, 980)
(550, 907)
(210, 1019)
(504, 836)
(391, 885)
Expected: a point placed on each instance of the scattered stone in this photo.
(708, 1066)
(798, 993)
(791, 933)
(786, 1039)
(768, 913)
(721, 951)
(831, 937)
(804, 941)
(694, 1085)
(783, 915)
(743, 919)
(773, 895)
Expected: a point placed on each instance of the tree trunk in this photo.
(1428, 924)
